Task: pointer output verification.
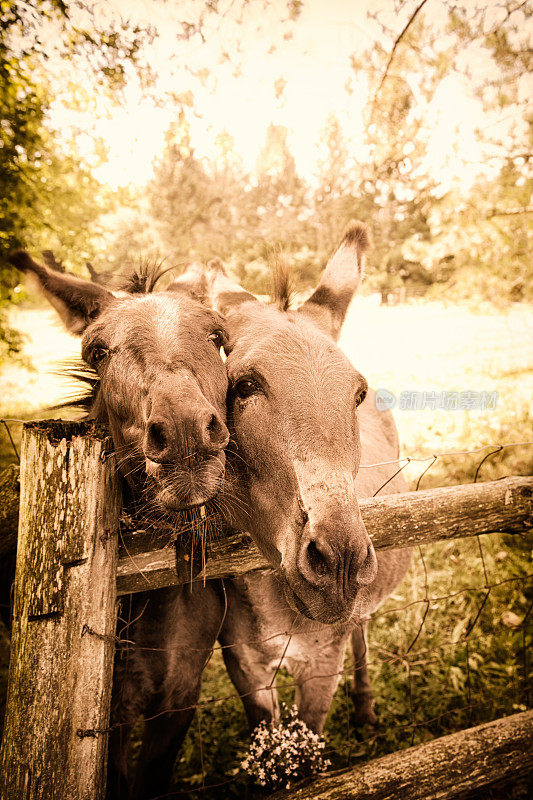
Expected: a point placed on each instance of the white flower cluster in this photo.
(280, 755)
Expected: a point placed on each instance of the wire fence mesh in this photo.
(449, 648)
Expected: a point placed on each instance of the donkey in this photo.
(160, 382)
(155, 375)
(301, 420)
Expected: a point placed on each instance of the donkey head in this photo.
(161, 383)
(293, 401)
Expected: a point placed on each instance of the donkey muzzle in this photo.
(332, 564)
(182, 424)
(184, 441)
(196, 432)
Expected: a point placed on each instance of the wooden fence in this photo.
(71, 566)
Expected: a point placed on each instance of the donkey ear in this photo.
(77, 302)
(192, 282)
(211, 286)
(329, 302)
(224, 295)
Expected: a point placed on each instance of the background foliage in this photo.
(429, 238)
(433, 240)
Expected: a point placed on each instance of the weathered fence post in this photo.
(61, 667)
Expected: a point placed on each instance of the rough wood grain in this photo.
(402, 520)
(233, 553)
(9, 508)
(393, 521)
(64, 617)
(450, 767)
(397, 520)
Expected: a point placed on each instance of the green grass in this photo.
(461, 671)
(31, 392)
(454, 675)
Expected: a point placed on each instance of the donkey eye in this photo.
(98, 354)
(360, 397)
(218, 339)
(245, 388)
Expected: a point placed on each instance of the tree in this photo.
(337, 182)
(424, 236)
(490, 234)
(203, 209)
(182, 199)
(498, 215)
(395, 190)
(48, 198)
(274, 213)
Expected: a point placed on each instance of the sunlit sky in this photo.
(314, 62)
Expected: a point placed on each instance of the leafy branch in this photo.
(395, 46)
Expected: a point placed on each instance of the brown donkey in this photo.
(300, 425)
(160, 383)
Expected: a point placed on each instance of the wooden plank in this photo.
(403, 520)
(393, 521)
(450, 767)
(62, 645)
(233, 553)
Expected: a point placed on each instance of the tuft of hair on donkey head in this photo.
(292, 412)
(157, 378)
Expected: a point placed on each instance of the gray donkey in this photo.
(154, 374)
(302, 420)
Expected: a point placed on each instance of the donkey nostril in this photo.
(363, 570)
(158, 444)
(157, 437)
(214, 434)
(316, 559)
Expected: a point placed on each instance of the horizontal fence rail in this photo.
(452, 766)
(392, 521)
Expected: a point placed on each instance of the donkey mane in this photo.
(84, 399)
(143, 278)
(282, 285)
(356, 235)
